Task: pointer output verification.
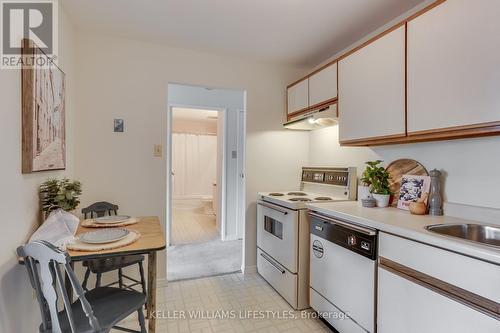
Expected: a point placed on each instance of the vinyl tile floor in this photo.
(193, 221)
(228, 303)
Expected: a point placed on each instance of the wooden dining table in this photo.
(151, 241)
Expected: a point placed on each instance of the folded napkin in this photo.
(59, 229)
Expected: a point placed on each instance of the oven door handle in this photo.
(282, 271)
(273, 207)
(363, 230)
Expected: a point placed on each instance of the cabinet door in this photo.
(454, 66)
(372, 90)
(404, 306)
(298, 96)
(323, 85)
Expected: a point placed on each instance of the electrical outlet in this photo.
(157, 151)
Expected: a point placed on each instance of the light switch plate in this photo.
(157, 152)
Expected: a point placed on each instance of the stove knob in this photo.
(351, 240)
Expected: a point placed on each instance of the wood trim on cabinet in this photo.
(298, 113)
(312, 108)
(462, 296)
(440, 134)
(373, 141)
(297, 82)
(312, 73)
(494, 125)
(369, 41)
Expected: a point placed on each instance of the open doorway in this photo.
(206, 185)
(196, 172)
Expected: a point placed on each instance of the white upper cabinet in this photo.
(298, 96)
(323, 85)
(454, 66)
(372, 90)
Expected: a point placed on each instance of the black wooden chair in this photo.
(95, 311)
(100, 266)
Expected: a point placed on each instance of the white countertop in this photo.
(402, 223)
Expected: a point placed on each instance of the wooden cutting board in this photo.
(397, 169)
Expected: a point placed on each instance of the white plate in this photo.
(104, 236)
(112, 219)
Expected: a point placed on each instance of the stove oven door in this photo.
(277, 233)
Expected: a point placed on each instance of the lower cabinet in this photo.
(405, 306)
(422, 288)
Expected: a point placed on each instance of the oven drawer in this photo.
(278, 277)
(340, 321)
(277, 234)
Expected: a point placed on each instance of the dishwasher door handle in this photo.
(282, 271)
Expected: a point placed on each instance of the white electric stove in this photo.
(283, 229)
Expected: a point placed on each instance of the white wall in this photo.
(469, 166)
(19, 207)
(128, 79)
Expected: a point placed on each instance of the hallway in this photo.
(193, 222)
(197, 250)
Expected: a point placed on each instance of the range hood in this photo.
(316, 119)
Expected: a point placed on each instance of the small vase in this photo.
(382, 200)
(364, 192)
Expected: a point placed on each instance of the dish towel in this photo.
(59, 229)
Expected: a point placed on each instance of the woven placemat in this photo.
(91, 223)
(77, 245)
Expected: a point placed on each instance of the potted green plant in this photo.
(378, 179)
(59, 194)
(365, 182)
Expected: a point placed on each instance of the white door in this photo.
(323, 85)
(372, 90)
(298, 97)
(454, 66)
(404, 306)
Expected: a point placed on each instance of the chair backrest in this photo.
(100, 209)
(44, 262)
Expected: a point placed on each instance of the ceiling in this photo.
(291, 32)
(199, 115)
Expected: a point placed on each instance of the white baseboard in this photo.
(249, 269)
(231, 238)
(160, 283)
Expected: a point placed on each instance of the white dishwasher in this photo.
(343, 273)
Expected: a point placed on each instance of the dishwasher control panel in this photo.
(351, 237)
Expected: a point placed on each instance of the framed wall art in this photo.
(43, 112)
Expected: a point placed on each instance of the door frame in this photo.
(221, 187)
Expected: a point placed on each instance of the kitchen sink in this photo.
(477, 233)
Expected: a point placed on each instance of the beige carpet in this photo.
(189, 261)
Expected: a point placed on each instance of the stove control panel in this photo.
(331, 176)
